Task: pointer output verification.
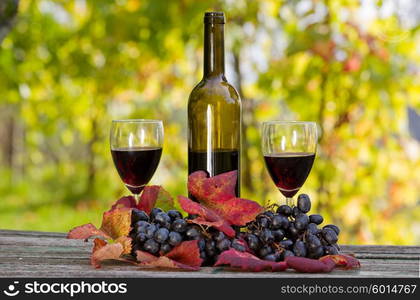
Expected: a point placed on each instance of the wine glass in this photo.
(136, 148)
(289, 149)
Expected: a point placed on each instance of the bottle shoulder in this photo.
(213, 89)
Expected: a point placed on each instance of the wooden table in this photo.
(49, 254)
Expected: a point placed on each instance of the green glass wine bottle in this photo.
(214, 110)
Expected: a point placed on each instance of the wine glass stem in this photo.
(137, 197)
(289, 201)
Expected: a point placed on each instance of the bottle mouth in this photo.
(214, 17)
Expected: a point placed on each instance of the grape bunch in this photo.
(290, 231)
(159, 232)
(271, 236)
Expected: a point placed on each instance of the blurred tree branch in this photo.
(8, 11)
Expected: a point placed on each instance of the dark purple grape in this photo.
(313, 229)
(278, 235)
(267, 236)
(210, 245)
(161, 235)
(286, 244)
(313, 242)
(285, 210)
(141, 237)
(317, 219)
(162, 218)
(264, 251)
(286, 253)
(253, 241)
(301, 222)
(141, 226)
(271, 257)
(292, 231)
(165, 248)
(174, 214)
(330, 250)
(268, 214)
(263, 221)
(316, 253)
(138, 215)
(304, 203)
(179, 225)
(299, 248)
(174, 238)
(193, 233)
(237, 245)
(295, 211)
(333, 227)
(151, 246)
(277, 221)
(154, 212)
(223, 245)
(219, 236)
(329, 235)
(150, 230)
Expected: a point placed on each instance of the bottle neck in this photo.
(214, 50)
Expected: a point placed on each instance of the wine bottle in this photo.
(214, 110)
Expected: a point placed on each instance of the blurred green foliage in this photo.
(69, 67)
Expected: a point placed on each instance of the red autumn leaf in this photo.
(152, 196)
(184, 256)
(206, 216)
(218, 205)
(103, 251)
(343, 260)
(308, 265)
(248, 262)
(126, 201)
(86, 231)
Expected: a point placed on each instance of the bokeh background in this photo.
(67, 68)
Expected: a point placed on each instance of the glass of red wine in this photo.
(289, 149)
(136, 148)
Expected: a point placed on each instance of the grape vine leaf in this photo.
(324, 264)
(248, 262)
(184, 256)
(218, 206)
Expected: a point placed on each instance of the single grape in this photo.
(210, 245)
(277, 221)
(278, 235)
(285, 210)
(316, 253)
(161, 235)
(286, 253)
(329, 235)
(317, 219)
(286, 244)
(219, 236)
(299, 248)
(174, 214)
(162, 218)
(295, 211)
(193, 233)
(292, 231)
(264, 222)
(267, 236)
(154, 212)
(304, 203)
(141, 237)
(151, 246)
(301, 222)
(141, 226)
(330, 250)
(138, 215)
(333, 227)
(268, 214)
(179, 225)
(165, 248)
(150, 230)
(253, 241)
(270, 257)
(313, 242)
(223, 245)
(237, 245)
(264, 251)
(313, 229)
(174, 238)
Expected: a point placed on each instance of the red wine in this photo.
(289, 170)
(214, 162)
(136, 166)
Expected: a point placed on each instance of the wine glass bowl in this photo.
(289, 149)
(136, 148)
